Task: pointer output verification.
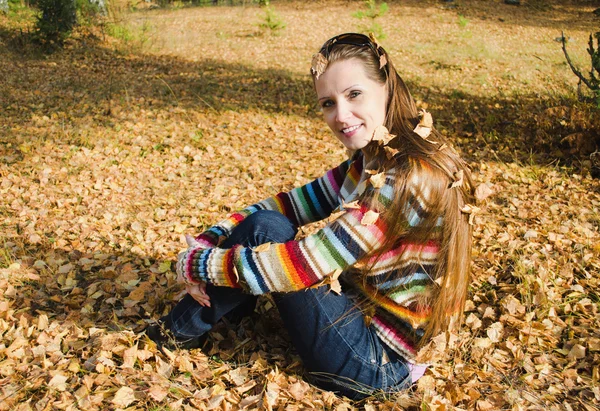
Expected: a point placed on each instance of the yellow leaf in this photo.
(369, 218)
(164, 267)
(471, 210)
(390, 152)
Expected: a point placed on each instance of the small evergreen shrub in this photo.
(55, 20)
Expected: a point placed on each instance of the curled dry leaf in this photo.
(382, 61)
(471, 210)
(382, 135)
(426, 119)
(425, 125)
(458, 179)
(390, 152)
(424, 132)
(377, 180)
(318, 65)
(369, 218)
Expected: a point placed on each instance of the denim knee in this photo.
(260, 227)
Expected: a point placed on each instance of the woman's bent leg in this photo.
(340, 352)
(189, 319)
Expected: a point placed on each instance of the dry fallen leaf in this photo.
(482, 192)
(124, 397)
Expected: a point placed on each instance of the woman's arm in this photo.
(296, 264)
(303, 205)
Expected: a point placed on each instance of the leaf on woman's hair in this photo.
(423, 132)
(318, 65)
(471, 210)
(425, 125)
(382, 135)
(426, 119)
(382, 61)
(458, 179)
(369, 218)
(371, 172)
(390, 152)
(354, 205)
(377, 180)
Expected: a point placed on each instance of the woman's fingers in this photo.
(191, 241)
(198, 293)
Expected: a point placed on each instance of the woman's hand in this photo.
(198, 293)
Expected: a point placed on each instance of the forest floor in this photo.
(161, 123)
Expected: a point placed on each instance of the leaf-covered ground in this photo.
(112, 149)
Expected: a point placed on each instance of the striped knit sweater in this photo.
(395, 287)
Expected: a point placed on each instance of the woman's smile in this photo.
(353, 104)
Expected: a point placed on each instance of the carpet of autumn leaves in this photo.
(112, 150)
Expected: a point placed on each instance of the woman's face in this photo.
(353, 105)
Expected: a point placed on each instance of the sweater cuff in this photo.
(214, 265)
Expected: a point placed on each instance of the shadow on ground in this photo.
(87, 79)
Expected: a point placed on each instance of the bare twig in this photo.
(573, 69)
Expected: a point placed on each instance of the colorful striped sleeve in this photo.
(293, 265)
(303, 205)
(288, 266)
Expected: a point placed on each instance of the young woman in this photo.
(399, 239)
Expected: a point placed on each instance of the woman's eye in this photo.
(354, 94)
(327, 103)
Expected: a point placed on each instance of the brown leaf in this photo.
(353, 205)
(377, 180)
(482, 192)
(390, 152)
(262, 247)
(382, 135)
(298, 390)
(458, 179)
(318, 65)
(382, 61)
(158, 393)
(124, 397)
(369, 218)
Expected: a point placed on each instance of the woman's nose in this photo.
(343, 113)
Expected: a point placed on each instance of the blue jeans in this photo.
(338, 350)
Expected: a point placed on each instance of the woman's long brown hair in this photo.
(435, 166)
